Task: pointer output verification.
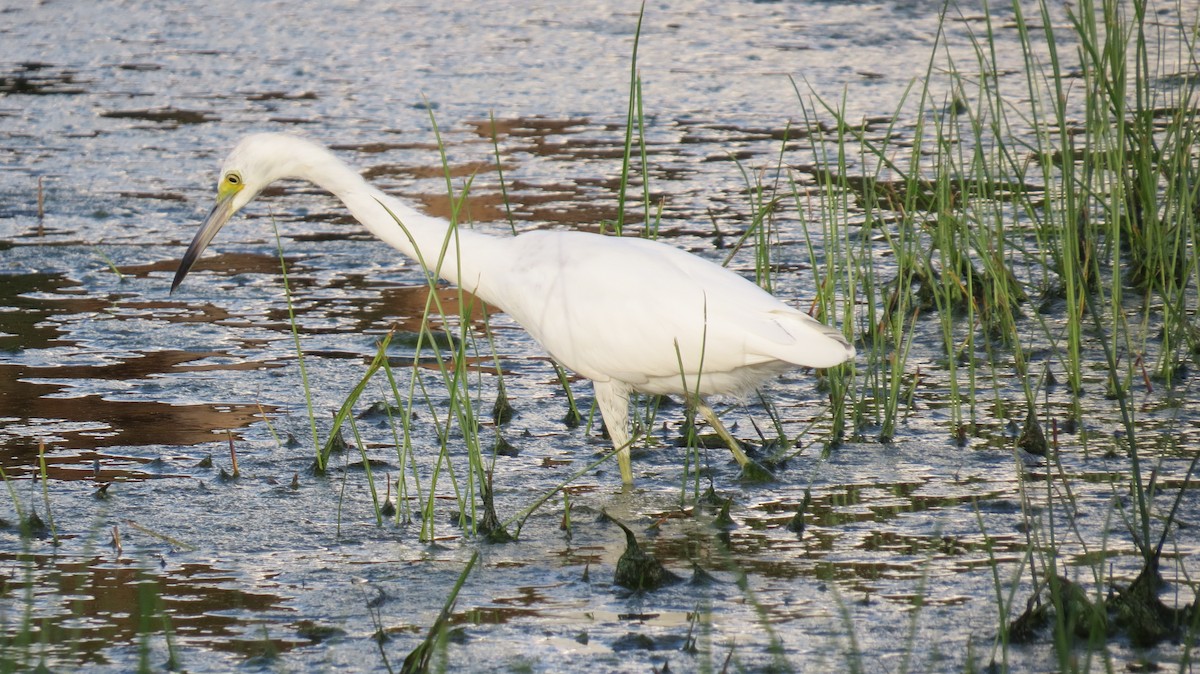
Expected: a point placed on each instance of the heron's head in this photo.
(256, 162)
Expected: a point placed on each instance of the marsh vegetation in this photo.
(314, 456)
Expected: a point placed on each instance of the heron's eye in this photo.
(233, 178)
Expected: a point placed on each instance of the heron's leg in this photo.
(711, 417)
(751, 469)
(613, 399)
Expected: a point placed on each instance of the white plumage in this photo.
(623, 312)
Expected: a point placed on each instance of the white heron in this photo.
(630, 314)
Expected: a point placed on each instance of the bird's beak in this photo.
(216, 219)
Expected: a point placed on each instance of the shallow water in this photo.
(122, 114)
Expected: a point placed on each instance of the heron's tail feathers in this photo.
(808, 342)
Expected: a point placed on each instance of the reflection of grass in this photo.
(19, 650)
(420, 659)
(53, 629)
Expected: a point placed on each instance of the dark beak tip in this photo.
(180, 273)
(216, 219)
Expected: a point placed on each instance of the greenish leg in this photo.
(751, 470)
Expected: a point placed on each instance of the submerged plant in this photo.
(637, 569)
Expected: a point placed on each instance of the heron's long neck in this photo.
(460, 257)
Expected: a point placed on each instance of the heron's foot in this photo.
(755, 473)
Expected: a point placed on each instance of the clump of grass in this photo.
(633, 114)
(50, 526)
(454, 369)
(1075, 193)
(763, 204)
(320, 455)
(109, 263)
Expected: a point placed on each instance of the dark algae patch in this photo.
(172, 116)
(637, 569)
(41, 79)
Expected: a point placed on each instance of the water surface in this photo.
(131, 397)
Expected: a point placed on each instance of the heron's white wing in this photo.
(632, 309)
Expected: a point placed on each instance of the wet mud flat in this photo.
(158, 453)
